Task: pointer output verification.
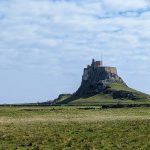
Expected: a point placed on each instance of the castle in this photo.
(97, 67)
(102, 81)
(96, 79)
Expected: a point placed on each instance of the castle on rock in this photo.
(96, 78)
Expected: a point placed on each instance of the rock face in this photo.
(97, 78)
(124, 95)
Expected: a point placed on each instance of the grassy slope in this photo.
(67, 128)
(62, 97)
(107, 98)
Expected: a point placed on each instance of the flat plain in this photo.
(74, 128)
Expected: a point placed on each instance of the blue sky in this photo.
(45, 44)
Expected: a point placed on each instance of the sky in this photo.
(45, 44)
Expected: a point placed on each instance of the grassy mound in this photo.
(116, 94)
(61, 98)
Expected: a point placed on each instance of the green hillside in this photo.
(116, 94)
(61, 98)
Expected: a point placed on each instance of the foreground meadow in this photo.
(73, 128)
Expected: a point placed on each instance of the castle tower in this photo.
(98, 64)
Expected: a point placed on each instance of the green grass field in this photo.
(73, 128)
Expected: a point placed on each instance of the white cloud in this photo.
(48, 36)
(121, 5)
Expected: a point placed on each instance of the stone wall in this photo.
(101, 72)
(112, 70)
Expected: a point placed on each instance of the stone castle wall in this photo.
(112, 70)
(102, 70)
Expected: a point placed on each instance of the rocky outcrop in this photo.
(124, 95)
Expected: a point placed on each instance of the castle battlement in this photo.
(96, 64)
